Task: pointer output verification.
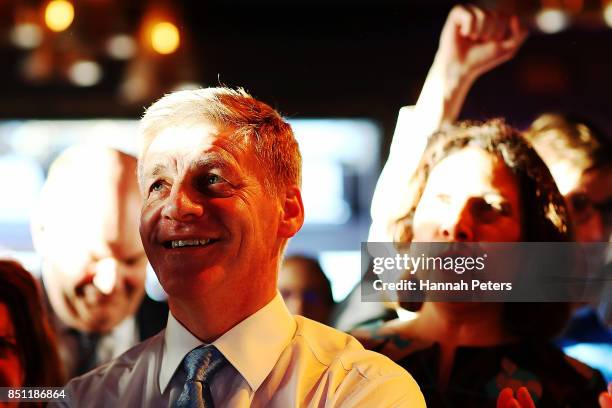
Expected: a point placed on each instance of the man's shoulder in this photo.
(331, 346)
(109, 377)
(358, 376)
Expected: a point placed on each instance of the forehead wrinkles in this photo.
(222, 151)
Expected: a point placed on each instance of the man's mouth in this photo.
(185, 243)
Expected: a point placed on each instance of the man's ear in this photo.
(292, 212)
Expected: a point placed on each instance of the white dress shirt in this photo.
(275, 360)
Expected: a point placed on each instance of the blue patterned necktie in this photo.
(200, 364)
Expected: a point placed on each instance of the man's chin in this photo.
(100, 320)
(193, 287)
(101, 324)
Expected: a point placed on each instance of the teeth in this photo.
(189, 242)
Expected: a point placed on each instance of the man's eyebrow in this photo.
(158, 169)
(214, 160)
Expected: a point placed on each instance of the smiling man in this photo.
(220, 177)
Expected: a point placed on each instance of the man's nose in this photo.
(105, 275)
(458, 224)
(181, 206)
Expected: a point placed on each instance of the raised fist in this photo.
(475, 40)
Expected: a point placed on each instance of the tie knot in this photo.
(202, 363)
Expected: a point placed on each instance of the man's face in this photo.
(588, 193)
(208, 225)
(304, 291)
(94, 262)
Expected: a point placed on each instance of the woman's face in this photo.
(470, 196)
(11, 370)
(588, 196)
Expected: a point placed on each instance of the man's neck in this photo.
(208, 320)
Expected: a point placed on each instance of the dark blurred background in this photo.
(308, 58)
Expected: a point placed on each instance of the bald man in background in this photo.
(85, 229)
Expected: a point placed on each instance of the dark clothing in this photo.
(81, 352)
(151, 317)
(480, 373)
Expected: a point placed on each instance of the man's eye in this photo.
(211, 183)
(213, 179)
(157, 186)
(500, 207)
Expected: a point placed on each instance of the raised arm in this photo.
(473, 41)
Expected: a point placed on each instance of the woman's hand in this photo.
(473, 41)
(605, 398)
(506, 398)
(476, 40)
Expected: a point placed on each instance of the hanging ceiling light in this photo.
(26, 35)
(59, 15)
(85, 73)
(607, 13)
(165, 37)
(552, 20)
(121, 47)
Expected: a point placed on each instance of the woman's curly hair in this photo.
(544, 213)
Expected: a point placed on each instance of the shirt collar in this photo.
(252, 347)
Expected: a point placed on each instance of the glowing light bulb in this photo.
(121, 47)
(165, 38)
(608, 14)
(59, 15)
(552, 21)
(26, 35)
(85, 73)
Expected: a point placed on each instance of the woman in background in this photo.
(28, 355)
(483, 183)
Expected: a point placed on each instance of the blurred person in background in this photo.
(473, 41)
(579, 156)
(305, 288)
(484, 183)
(28, 354)
(85, 230)
(580, 160)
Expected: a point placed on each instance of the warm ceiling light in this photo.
(26, 35)
(552, 20)
(121, 47)
(85, 73)
(165, 38)
(59, 15)
(608, 14)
